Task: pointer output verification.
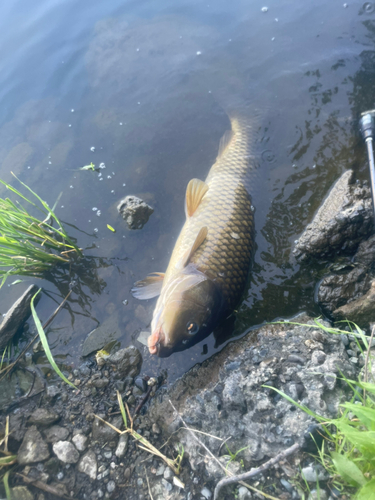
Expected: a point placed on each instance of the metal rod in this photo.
(367, 130)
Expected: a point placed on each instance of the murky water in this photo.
(147, 84)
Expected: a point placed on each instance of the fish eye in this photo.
(192, 328)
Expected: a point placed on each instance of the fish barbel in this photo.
(210, 263)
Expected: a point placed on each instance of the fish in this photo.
(211, 260)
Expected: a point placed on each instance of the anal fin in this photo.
(148, 288)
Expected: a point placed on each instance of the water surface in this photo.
(147, 85)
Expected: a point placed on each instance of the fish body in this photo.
(210, 263)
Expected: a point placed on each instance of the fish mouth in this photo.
(155, 340)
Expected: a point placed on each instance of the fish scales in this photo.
(226, 210)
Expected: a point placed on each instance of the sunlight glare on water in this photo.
(143, 87)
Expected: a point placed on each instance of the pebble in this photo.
(293, 358)
(160, 470)
(313, 473)
(66, 452)
(354, 360)
(318, 495)
(122, 446)
(318, 357)
(344, 339)
(33, 448)
(243, 493)
(88, 465)
(107, 455)
(80, 442)
(111, 486)
(206, 493)
(286, 485)
(100, 493)
(141, 384)
(168, 474)
(155, 428)
(139, 482)
(127, 473)
(41, 416)
(166, 484)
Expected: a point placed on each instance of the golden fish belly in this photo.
(226, 210)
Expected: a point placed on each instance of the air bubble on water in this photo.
(252, 208)
(112, 191)
(69, 125)
(264, 9)
(94, 209)
(369, 7)
(62, 206)
(314, 166)
(89, 220)
(272, 39)
(71, 187)
(180, 36)
(109, 177)
(277, 19)
(295, 242)
(28, 167)
(96, 230)
(49, 157)
(72, 110)
(101, 178)
(98, 213)
(230, 40)
(137, 50)
(113, 173)
(92, 148)
(199, 53)
(99, 174)
(345, 5)
(290, 223)
(102, 165)
(138, 102)
(209, 91)
(49, 163)
(120, 123)
(125, 302)
(294, 165)
(124, 184)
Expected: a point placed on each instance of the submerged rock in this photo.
(134, 211)
(340, 224)
(106, 333)
(127, 361)
(16, 316)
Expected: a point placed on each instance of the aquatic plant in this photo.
(347, 451)
(29, 245)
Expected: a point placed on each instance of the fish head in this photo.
(186, 313)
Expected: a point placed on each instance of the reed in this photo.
(30, 246)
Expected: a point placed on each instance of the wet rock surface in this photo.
(341, 223)
(16, 316)
(134, 211)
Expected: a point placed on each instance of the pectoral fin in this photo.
(149, 287)
(201, 236)
(195, 191)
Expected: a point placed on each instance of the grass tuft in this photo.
(29, 246)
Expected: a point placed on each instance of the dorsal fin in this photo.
(201, 236)
(224, 142)
(149, 287)
(195, 191)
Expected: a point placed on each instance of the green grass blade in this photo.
(122, 409)
(44, 341)
(6, 485)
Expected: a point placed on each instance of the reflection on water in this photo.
(147, 85)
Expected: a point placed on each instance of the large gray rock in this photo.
(134, 211)
(127, 362)
(33, 448)
(361, 311)
(16, 316)
(42, 416)
(56, 433)
(340, 224)
(106, 333)
(225, 395)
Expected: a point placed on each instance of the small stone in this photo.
(122, 445)
(344, 339)
(318, 495)
(166, 485)
(160, 470)
(168, 474)
(33, 448)
(42, 416)
(60, 476)
(127, 361)
(134, 211)
(55, 433)
(314, 473)
(53, 391)
(141, 384)
(21, 493)
(206, 493)
(318, 357)
(243, 493)
(80, 441)
(127, 473)
(354, 360)
(155, 428)
(293, 358)
(66, 452)
(100, 383)
(111, 486)
(107, 455)
(103, 433)
(85, 370)
(286, 485)
(100, 493)
(139, 482)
